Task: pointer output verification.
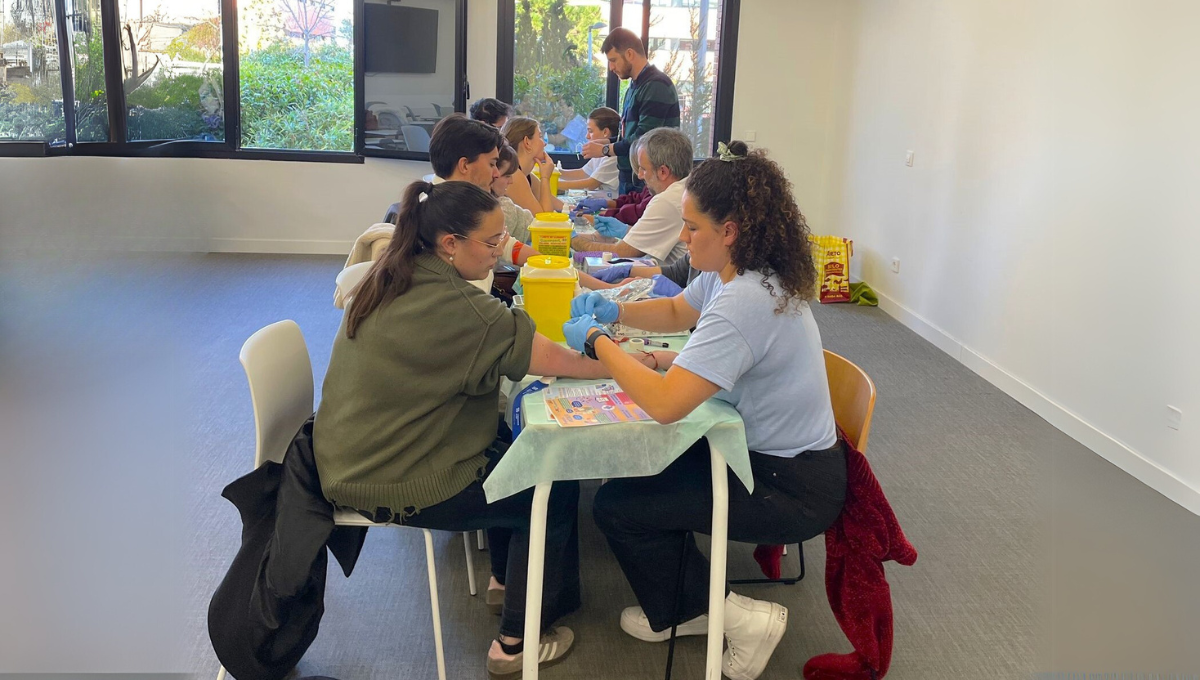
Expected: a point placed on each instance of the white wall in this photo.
(790, 90)
(1046, 232)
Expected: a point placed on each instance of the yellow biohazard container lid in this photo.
(552, 217)
(548, 267)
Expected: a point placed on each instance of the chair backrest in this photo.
(281, 387)
(392, 214)
(415, 137)
(853, 396)
(349, 277)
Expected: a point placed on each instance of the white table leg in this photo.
(716, 572)
(533, 585)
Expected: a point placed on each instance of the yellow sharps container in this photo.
(549, 284)
(550, 234)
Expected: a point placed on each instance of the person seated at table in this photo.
(516, 218)
(756, 346)
(407, 427)
(664, 161)
(599, 173)
(524, 135)
(491, 111)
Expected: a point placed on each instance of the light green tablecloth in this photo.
(546, 452)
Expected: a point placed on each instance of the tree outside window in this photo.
(297, 74)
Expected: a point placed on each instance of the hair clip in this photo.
(725, 154)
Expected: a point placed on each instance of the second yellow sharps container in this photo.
(549, 286)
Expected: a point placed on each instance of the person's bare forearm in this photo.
(592, 283)
(584, 182)
(660, 315)
(551, 359)
(620, 248)
(644, 272)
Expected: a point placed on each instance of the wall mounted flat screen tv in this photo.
(400, 39)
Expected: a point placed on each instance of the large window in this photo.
(690, 35)
(85, 44)
(412, 73)
(557, 74)
(171, 60)
(30, 81)
(296, 59)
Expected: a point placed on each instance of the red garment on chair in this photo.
(864, 536)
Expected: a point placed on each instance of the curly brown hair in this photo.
(751, 190)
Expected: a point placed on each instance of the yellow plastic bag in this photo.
(831, 255)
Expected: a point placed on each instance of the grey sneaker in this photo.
(634, 622)
(552, 648)
(752, 628)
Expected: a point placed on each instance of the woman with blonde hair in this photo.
(524, 135)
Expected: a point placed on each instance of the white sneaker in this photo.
(634, 622)
(753, 629)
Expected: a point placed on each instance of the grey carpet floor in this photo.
(1035, 554)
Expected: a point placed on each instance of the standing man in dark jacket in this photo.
(650, 102)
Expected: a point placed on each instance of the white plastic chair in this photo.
(279, 371)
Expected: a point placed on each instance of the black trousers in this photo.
(507, 522)
(646, 519)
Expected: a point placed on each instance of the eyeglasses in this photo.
(495, 247)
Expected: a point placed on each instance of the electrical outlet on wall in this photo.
(895, 265)
(908, 158)
(1174, 417)
(750, 135)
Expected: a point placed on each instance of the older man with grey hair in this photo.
(664, 160)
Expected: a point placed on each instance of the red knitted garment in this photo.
(865, 535)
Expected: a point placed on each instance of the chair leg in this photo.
(787, 581)
(433, 605)
(470, 562)
(481, 539)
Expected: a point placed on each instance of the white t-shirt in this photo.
(657, 233)
(769, 366)
(603, 170)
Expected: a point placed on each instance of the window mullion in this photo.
(113, 71)
(231, 83)
(726, 64)
(612, 95)
(67, 73)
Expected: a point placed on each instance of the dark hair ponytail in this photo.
(746, 187)
(427, 211)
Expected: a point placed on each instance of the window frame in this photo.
(506, 36)
(118, 144)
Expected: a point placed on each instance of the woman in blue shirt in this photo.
(755, 345)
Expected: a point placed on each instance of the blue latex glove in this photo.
(611, 226)
(588, 206)
(576, 331)
(595, 304)
(613, 274)
(664, 287)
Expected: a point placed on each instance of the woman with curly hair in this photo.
(756, 346)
